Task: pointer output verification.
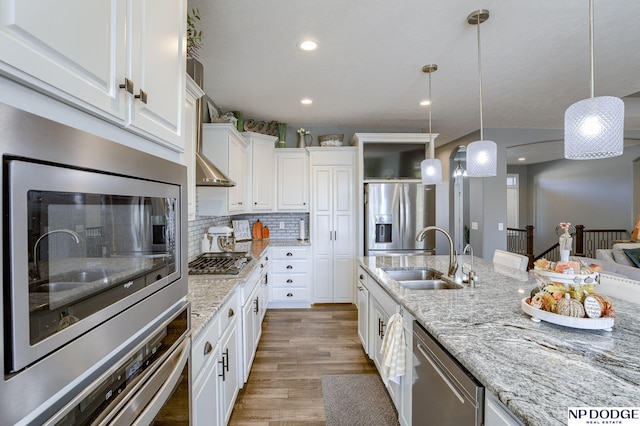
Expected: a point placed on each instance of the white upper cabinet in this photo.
(225, 147)
(156, 64)
(292, 180)
(83, 52)
(263, 176)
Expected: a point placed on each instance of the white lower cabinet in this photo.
(363, 309)
(496, 414)
(215, 372)
(251, 323)
(375, 307)
(290, 277)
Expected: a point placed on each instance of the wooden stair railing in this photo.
(585, 243)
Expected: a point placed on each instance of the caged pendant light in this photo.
(594, 127)
(430, 168)
(481, 155)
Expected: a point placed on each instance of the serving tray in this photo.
(537, 315)
(568, 278)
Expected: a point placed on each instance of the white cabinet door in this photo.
(363, 311)
(292, 181)
(84, 52)
(344, 234)
(237, 173)
(263, 186)
(157, 66)
(71, 48)
(190, 133)
(229, 371)
(333, 233)
(206, 396)
(496, 414)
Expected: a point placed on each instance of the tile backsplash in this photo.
(289, 231)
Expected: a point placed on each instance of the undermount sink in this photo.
(429, 285)
(421, 279)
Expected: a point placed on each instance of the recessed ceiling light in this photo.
(306, 101)
(425, 102)
(307, 45)
(521, 158)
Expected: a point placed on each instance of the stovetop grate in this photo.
(218, 264)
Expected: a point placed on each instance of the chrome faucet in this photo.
(36, 270)
(453, 258)
(471, 274)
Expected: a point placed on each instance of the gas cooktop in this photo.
(226, 263)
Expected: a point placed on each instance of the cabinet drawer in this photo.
(289, 266)
(290, 280)
(228, 312)
(204, 346)
(290, 294)
(289, 252)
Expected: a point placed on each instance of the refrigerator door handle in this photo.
(402, 213)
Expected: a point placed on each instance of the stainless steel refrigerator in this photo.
(394, 214)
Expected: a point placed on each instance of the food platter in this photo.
(537, 315)
(567, 278)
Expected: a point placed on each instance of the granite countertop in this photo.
(208, 292)
(537, 370)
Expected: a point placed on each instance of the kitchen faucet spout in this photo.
(36, 270)
(453, 258)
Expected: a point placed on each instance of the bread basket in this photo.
(330, 140)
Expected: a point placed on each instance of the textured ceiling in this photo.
(367, 70)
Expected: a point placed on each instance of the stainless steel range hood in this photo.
(207, 174)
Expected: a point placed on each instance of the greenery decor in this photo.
(194, 37)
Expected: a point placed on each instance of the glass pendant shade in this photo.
(482, 159)
(594, 128)
(431, 171)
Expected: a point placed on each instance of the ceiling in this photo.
(367, 70)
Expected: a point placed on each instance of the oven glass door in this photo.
(85, 246)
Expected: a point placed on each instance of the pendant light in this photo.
(594, 127)
(430, 168)
(481, 155)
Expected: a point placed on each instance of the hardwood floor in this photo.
(298, 347)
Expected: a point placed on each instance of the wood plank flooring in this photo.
(299, 346)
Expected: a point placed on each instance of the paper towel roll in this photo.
(303, 230)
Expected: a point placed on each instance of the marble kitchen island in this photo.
(537, 370)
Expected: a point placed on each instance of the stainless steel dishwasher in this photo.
(443, 392)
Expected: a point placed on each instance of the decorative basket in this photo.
(330, 140)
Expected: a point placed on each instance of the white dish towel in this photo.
(393, 350)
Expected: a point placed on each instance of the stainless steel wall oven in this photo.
(94, 269)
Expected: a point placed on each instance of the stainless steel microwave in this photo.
(94, 253)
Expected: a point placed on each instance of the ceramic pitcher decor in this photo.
(302, 138)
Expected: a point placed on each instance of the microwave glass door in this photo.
(85, 246)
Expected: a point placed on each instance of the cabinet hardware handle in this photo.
(289, 267)
(256, 308)
(262, 266)
(359, 288)
(231, 313)
(289, 280)
(207, 348)
(226, 359)
(142, 96)
(289, 295)
(289, 254)
(304, 204)
(266, 258)
(128, 85)
(361, 276)
(255, 203)
(224, 378)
